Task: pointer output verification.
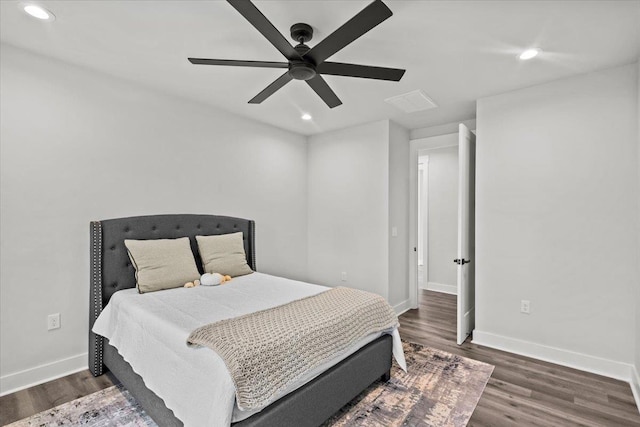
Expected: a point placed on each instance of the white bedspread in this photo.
(150, 332)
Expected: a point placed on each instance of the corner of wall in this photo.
(444, 129)
(635, 384)
(398, 227)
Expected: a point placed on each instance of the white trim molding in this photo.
(41, 374)
(402, 307)
(440, 287)
(584, 362)
(635, 385)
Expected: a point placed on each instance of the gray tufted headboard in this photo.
(111, 269)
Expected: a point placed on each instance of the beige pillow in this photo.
(223, 254)
(162, 263)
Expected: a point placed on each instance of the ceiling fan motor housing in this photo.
(301, 69)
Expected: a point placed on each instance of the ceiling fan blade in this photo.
(368, 18)
(272, 88)
(320, 86)
(261, 64)
(363, 71)
(266, 28)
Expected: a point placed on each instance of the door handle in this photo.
(461, 261)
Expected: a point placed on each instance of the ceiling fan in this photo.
(305, 63)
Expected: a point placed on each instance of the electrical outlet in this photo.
(343, 276)
(53, 321)
(525, 306)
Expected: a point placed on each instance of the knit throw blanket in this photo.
(268, 350)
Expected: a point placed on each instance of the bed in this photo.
(111, 271)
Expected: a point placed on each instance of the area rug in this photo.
(113, 407)
(440, 389)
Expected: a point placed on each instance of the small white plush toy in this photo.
(211, 279)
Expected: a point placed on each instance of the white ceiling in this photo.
(455, 51)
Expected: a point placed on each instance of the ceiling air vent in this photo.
(411, 102)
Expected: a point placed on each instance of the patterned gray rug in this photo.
(440, 389)
(113, 407)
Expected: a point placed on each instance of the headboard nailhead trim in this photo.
(96, 296)
(252, 243)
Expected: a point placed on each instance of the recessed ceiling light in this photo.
(306, 116)
(37, 11)
(529, 53)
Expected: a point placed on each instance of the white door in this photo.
(466, 232)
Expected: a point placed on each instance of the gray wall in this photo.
(79, 146)
(556, 219)
(348, 198)
(359, 191)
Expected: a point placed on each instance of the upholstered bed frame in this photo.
(111, 271)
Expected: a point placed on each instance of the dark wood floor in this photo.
(25, 403)
(521, 391)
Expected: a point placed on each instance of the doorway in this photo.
(442, 217)
(437, 219)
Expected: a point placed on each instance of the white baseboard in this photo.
(440, 287)
(584, 362)
(41, 374)
(402, 307)
(635, 385)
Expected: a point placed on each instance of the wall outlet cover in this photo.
(53, 321)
